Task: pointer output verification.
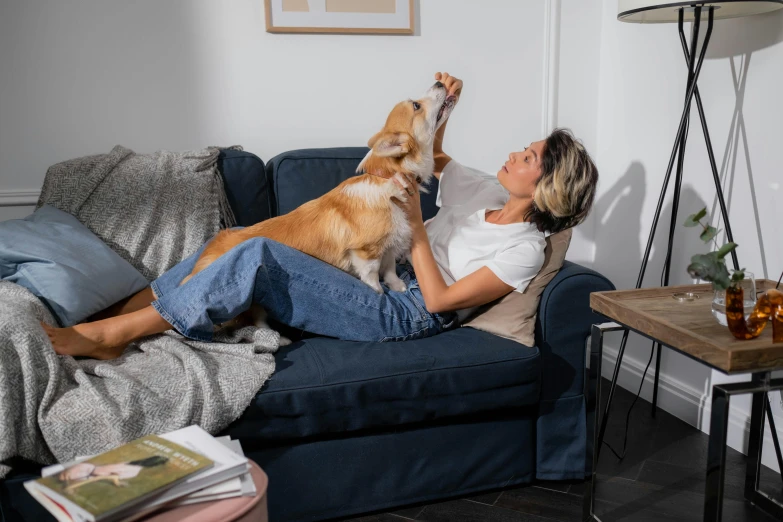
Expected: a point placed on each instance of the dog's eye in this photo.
(416, 106)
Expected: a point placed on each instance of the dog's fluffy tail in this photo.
(224, 241)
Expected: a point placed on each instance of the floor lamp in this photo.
(646, 11)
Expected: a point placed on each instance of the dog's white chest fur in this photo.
(400, 237)
(397, 242)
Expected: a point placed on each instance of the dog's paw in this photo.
(375, 285)
(396, 285)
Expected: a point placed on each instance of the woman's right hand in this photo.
(452, 83)
(453, 88)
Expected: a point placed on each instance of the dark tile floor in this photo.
(660, 479)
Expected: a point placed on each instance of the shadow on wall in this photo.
(728, 167)
(617, 230)
(737, 39)
(620, 239)
(621, 235)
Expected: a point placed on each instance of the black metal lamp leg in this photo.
(680, 164)
(729, 235)
(645, 259)
(713, 166)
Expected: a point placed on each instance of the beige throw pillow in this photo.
(514, 315)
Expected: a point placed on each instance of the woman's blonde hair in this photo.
(566, 189)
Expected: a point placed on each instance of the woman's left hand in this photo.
(409, 190)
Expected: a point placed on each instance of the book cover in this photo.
(242, 485)
(125, 475)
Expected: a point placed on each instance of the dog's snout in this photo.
(439, 85)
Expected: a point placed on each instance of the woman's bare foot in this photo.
(107, 338)
(87, 340)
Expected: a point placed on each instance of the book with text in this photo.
(107, 486)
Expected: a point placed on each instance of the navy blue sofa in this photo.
(345, 427)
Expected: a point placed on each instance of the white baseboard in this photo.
(687, 403)
(19, 198)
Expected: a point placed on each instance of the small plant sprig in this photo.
(712, 265)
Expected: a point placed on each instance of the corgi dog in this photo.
(356, 226)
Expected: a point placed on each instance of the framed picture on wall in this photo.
(340, 16)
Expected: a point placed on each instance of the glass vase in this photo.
(769, 306)
(748, 286)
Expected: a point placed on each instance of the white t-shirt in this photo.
(462, 240)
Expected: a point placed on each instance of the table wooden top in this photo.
(689, 326)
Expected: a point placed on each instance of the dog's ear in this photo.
(360, 168)
(391, 144)
(371, 141)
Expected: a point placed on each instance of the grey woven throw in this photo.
(153, 210)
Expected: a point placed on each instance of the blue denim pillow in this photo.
(68, 267)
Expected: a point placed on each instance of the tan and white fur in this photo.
(357, 227)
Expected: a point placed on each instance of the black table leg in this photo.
(774, 431)
(756, 438)
(716, 455)
(593, 413)
(760, 386)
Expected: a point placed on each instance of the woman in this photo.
(487, 240)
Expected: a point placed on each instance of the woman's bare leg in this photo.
(107, 338)
(130, 304)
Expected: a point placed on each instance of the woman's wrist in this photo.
(419, 232)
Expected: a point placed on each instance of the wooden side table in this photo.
(689, 328)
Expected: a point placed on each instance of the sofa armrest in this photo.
(563, 324)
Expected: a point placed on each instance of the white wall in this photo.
(575, 106)
(642, 87)
(79, 77)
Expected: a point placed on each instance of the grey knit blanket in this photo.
(154, 210)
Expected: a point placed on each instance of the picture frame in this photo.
(340, 16)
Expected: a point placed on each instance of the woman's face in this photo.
(521, 172)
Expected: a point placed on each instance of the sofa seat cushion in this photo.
(324, 385)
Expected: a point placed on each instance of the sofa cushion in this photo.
(514, 315)
(65, 265)
(301, 175)
(324, 385)
(246, 187)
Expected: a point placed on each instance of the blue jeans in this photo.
(294, 289)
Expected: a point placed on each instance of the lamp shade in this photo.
(651, 12)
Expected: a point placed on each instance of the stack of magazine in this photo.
(148, 474)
